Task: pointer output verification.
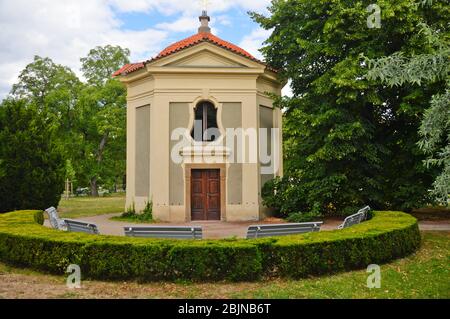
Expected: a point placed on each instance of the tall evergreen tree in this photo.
(31, 164)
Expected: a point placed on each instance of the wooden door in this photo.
(205, 194)
(213, 194)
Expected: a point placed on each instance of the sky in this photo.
(65, 30)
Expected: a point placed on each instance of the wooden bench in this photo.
(258, 231)
(175, 232)
(355, 219)
(55, 221)
(81, 227)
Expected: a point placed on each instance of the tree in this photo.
(43, 82)
(102, 62)
(102, 116)
(30, 161)
(349, 141)
(435, 132)
(53, 90)
(88, 119)
(425, 69)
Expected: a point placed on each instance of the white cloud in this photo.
(183, 24)
(66, 30)
(254, 41)
(287, 90)
(188, 7)
(191, 24)
(134, 5)
(224, 20)
(8, 75)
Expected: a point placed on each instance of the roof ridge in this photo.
(187, 43)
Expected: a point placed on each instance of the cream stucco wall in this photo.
(169, 85)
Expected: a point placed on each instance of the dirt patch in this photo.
(27, 286)
(22, 286)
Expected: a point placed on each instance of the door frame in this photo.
(188, 177)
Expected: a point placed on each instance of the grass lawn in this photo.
(425, 274)
(90, 206)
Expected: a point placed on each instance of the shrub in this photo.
(356, 248)
(131, 211)
(131, 215)
(147, 213)
(388, 235)
(287, 196)
(284, 195)
(31, 165)
(39, 217)
(303, 217)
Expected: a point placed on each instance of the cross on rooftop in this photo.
(205, 5)
(204, 19)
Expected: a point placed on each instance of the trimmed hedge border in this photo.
(25, 242)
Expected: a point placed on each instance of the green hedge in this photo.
(24, 242)
(39, 217)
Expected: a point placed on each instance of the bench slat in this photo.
(282, 227)
(287, 226)
(163, 228)
(185, 234)
(55, 221)
(364, 210)
(283, 231)
(173, 232)
(354, 219)
(81, 227)
(172, 236)
(257, 231)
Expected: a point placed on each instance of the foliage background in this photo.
(349, 140)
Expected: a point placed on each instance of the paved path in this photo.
(443, 225)
(217, 229)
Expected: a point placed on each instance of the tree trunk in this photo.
(101, 148)
(94, 188)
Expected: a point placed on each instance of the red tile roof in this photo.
(187, 43)
(129, 68)
(204, 37)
